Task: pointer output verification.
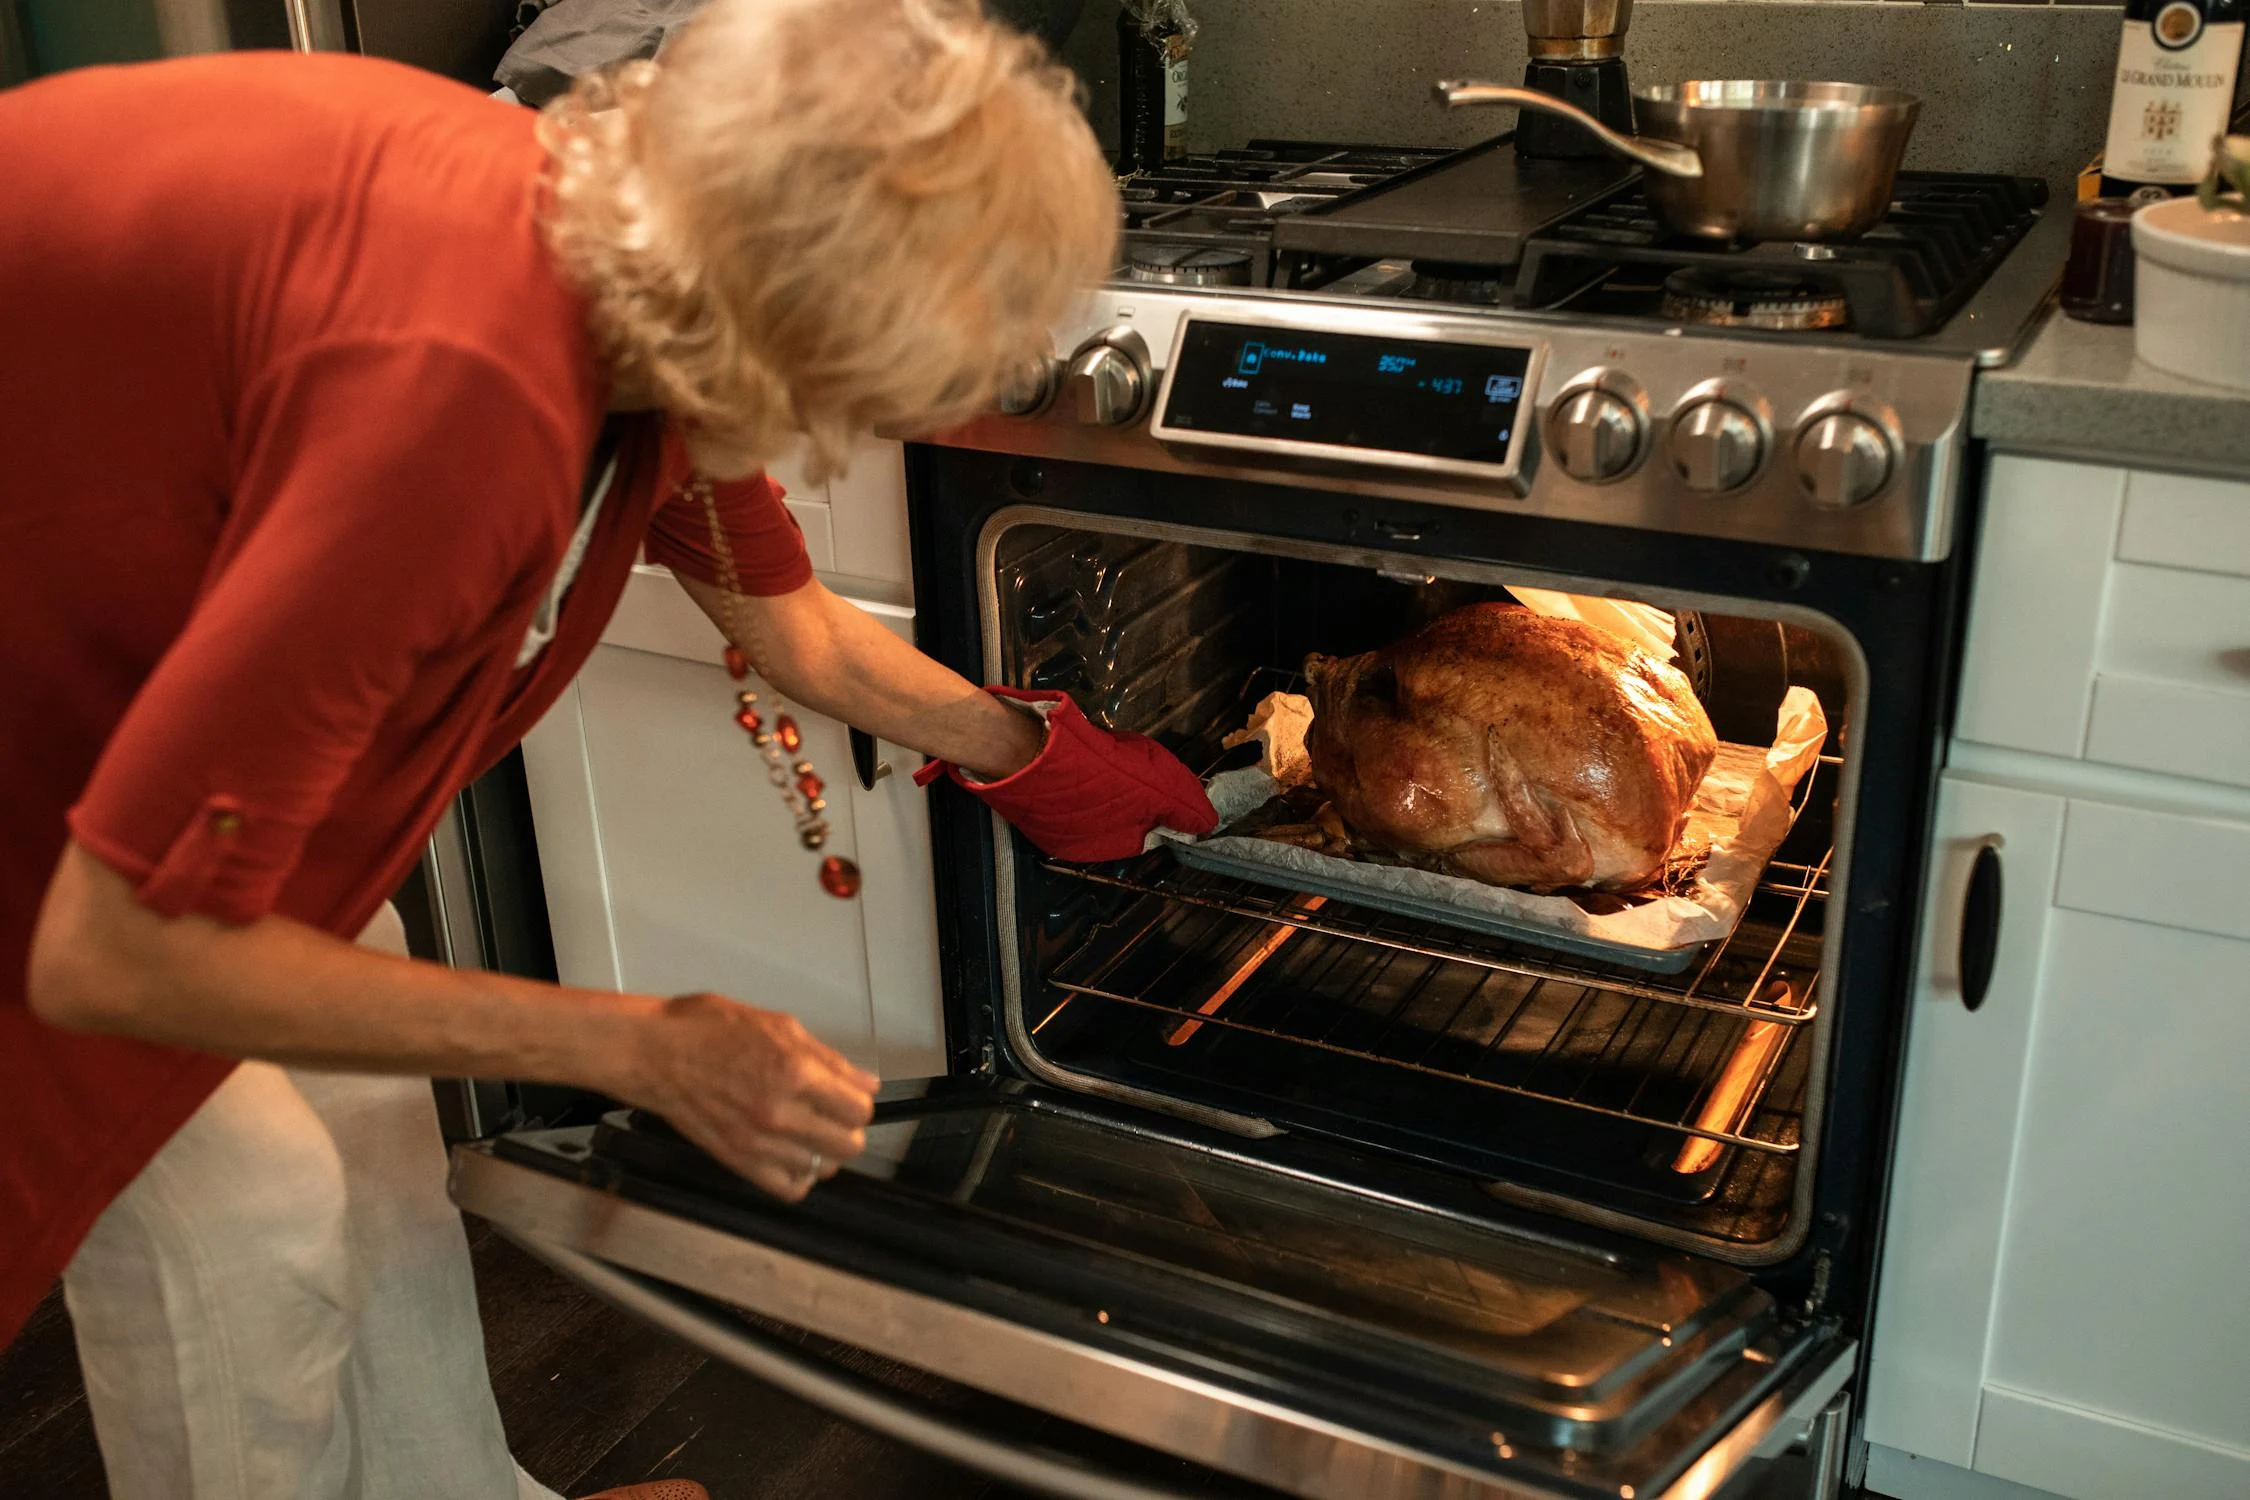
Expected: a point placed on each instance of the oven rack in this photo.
(1718, 983)
(1202, 951)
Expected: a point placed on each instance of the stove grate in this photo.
(1944, 234)
(1230, 200)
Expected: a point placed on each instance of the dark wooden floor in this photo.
(591, 1398)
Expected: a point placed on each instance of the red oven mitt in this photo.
(1089, 794)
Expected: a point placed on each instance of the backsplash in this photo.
(2005, 88)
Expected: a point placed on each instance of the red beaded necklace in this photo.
(792, 775)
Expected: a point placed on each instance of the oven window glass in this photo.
(1592, 1340)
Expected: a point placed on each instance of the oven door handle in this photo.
(1980, 923)
(718, 1331)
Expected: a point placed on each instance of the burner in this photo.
(1436, 281)
(1752, 298)
(1188, 265)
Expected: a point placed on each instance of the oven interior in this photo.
(1675, 1103)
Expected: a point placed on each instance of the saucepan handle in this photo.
(1668, 157)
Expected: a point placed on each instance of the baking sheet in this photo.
(1743, 808)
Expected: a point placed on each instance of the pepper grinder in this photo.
(1578, 56)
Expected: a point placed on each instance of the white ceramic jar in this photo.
(2191, 293)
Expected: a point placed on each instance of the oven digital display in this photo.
(1456, 402)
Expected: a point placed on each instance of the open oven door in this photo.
(1148, 1285)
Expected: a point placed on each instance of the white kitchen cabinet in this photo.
(868, 504)
(2060, 1308)
(671, 864)
(2111, 619)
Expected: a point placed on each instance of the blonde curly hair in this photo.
(817, 217)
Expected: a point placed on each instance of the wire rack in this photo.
(1691, 1055)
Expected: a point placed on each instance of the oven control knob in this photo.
(1030, 389)
(1843, 459)
(1716, 446)
(1596, 435)
(1107, 384)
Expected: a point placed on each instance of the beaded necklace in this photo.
(792, 775)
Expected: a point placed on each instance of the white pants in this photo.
(280, 1306)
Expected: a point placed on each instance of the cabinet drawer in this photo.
(2111, 620)
(2181, 522)
(2156, 867)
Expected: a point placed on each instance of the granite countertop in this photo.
(2078, 392)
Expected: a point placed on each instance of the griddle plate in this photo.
(1476, 207)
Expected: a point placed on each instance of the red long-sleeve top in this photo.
(295, 414)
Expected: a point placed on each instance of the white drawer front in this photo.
(2181, 522)
(2175, 626)
(2157, 867)
(867, 504)
(2035, 614)
(2110, 620)
(2164, 727)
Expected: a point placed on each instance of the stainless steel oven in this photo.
(1231, 1189)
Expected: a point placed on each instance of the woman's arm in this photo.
(834, 658)
(750, 1086)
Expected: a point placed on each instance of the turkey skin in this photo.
(1511, 748)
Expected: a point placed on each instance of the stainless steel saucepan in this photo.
(1750, 159)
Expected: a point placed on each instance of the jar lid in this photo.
(2182, 234)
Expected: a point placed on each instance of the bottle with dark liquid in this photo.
(2176, 68)
(1153, 37)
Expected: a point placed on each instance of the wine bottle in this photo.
(1153, 38)
(2176, 67)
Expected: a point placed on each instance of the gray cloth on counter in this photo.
(573, 37)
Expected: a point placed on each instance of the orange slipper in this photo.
(656, 1489)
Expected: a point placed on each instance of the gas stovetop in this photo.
(1483, 228)
(1472, 330)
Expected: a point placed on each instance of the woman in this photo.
(337, 401)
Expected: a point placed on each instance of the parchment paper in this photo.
(1741, 813)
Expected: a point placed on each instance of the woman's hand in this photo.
(749, 1086)
(755, 1089)
(1090, 793)
(1077, 791)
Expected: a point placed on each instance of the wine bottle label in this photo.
(2175, 83)
(1175, 107)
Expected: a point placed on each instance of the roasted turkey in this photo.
(1512, 748)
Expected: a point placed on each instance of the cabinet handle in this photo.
(869, 769)
(1980, 924)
